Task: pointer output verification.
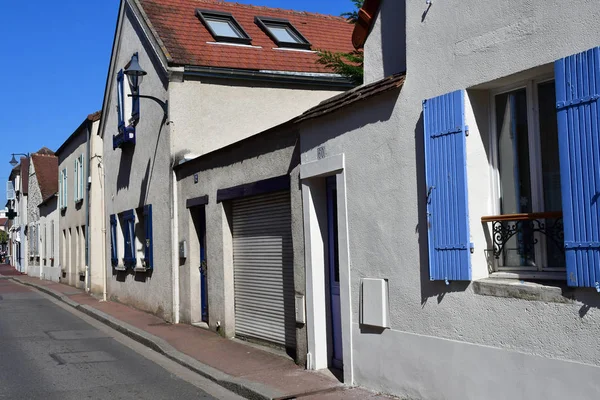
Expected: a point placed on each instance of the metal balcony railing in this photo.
(520, 233)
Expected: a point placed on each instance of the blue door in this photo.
(334, 274)
(203, 285)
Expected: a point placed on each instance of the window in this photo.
(128, 228)
(52, 240)
(62, 189)
(223, 27)
(528, 176)
(282, 32)
(78, 179)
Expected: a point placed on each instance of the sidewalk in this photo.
(245, 370)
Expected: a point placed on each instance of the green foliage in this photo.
(348, 65)
(352, 16)
(3, 237)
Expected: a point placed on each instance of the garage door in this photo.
(263, 268)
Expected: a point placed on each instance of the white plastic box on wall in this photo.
(375, 303)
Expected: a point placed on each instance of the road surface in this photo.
(50, 351)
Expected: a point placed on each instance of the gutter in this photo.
(326, 80)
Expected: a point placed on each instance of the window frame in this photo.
(265, 22)
(63, 192)
(205, 15)
(128, 229)
(535, 167)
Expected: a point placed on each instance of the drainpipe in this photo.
(88, 276)
(174, 247)
(104, 274)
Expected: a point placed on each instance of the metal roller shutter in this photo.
(263, 268)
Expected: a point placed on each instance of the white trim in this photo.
(290, 49)
(314, 209)
(235, 45)
(326, 166)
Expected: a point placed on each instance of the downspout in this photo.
(88, 284)
(104, 266)
(174, 247)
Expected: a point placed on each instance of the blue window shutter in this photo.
(120, 100)
(446, 180)
(113, 241)
(577, 93)
(149, 245)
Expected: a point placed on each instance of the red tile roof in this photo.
(185, 38)
(46, 171)
(3, 221)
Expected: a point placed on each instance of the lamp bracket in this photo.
(163, 104)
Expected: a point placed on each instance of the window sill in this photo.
(551, 291)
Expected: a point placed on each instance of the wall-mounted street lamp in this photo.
(135, 75)
(13, 161)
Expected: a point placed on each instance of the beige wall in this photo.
(208, 115)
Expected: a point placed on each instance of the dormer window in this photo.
(223, 26)
(282, 32)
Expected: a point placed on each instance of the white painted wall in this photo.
(72, 219)
(139, 176)
(211, 114)
(448, 342)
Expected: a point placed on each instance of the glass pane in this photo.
(513, 168)
(549, 146)
(223, 28)
(283, 34)
(550, 172)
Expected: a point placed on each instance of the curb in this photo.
(241, 387)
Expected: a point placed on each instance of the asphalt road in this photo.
(49, 351)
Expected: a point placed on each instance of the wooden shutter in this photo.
(446, 180)
(113, 241)
(577, 93)
(120, 101)
(148, 245)
(263, 268)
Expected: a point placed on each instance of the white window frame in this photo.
(535, 168)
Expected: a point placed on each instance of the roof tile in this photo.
(186, 39)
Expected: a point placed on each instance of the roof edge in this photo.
(365, 22)
(330, 80)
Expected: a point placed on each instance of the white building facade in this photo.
(212, 97)
(450, 192)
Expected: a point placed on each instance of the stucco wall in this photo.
(138, 176)
(210, 114)
(72, 219)
(269, 155)
(446, 341)
(49, 213)
(97, 216)
(33, 218)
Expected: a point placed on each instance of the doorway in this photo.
(333, 277)
(199, 264)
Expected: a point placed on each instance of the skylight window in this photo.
(223, 27)
(282, 32)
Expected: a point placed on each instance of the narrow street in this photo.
(51, 352)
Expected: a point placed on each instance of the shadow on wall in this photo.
(352, 118)
(429, 288)
(393, 37)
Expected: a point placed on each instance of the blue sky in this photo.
(55, 57)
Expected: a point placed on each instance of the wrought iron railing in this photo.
(521, 232)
